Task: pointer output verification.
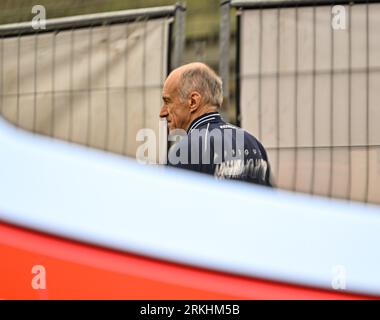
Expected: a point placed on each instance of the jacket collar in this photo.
(205, 118)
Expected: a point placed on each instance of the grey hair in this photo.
(204, 80)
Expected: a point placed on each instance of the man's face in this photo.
(176, 112)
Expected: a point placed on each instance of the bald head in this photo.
(189, 92)
(198, 77)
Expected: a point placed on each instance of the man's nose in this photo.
(163, 112)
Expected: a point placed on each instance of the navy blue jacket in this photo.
(218, 148)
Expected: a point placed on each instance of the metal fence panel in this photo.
(95, 84)
(311, 94)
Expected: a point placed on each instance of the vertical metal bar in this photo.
(295, 173)
(52, 124)
(89, 86)
(106, 138)
(144, 75)
(349, 102)
(313, 127)
(71, 106)
(169, 57)
(125, 135)
(35, 82)
(163, 127)
(332, 66)
(278, 48)
(162, 55)
(239, 30)
(260, 73)
(367, 106)
(18, 81)
(179, 41)
(224, 49)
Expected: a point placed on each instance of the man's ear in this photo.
(195, 101)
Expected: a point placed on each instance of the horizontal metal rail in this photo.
(82, 21)
(269, 4)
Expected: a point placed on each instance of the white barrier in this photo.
(108, 200)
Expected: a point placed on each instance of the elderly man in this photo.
(192, 96)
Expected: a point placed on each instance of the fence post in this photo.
(224, 49)
(179, 39)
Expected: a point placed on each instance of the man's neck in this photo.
(201, 112)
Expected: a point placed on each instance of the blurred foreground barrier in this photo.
(70, 192)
